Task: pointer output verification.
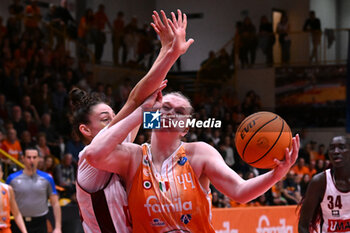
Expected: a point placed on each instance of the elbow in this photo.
(92, 157)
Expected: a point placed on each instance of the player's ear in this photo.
(85, 130)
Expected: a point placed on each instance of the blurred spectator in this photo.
(304, 183)
(290, 190)
(17, 119)
(266, 39)
(145, 47)
(30, 124)
(208, 67)
(249, 42)
(4, 107)
(85, 33)
(229, 154)
(28, 106)
(59, 99)
(217, 201)
(12, 145)
(14, 22)
(300, 168)
(251, 103)
(42, 146)
(2, 137)
(33, 17)
(130, 40)
(73, 146)
(260, 201)
(64, 174)
(26, 140)
(100, 20)
(283, 29)
(124, 90)
(52, 26)
(3, 29)
(312, 168)
(216, 138)
(321, 152)
(52, 136)
(118, 39)
(320, 166)
(49, 165)
(313, 25)
(43, 99)
(66, 20)
(277, 191)
(110, 98)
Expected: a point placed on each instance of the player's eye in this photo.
(165, 107)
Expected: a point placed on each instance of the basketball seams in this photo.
(271, 146)
(246, 145)
(248, 118)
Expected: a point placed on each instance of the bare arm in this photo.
(312, 200)
(228, 182)
(56, 212)
(15, 211)
(106, 151)
(174, 44)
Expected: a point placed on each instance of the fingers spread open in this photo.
(172, 25)
(179, 17)
(174, 19)
(184, 24)
(165, 19)
(155, 28)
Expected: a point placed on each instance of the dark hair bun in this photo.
(77, 96)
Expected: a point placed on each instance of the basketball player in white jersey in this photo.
(326, 205)
(101, 195)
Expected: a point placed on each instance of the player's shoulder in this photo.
(44, 175)
(318, 182)
(199, 148)
(200, 145)
(13, 176)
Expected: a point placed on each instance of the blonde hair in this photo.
(182, 96)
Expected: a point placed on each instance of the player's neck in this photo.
(162, 147)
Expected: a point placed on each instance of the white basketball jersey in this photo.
(105, 211)
(335, 208)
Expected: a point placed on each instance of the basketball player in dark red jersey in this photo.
(326, 205)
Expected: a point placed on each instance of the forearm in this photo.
(105, 142)
(20, 223)
(57, 214)
(255, 187)
(149, 83)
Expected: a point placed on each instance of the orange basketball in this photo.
(261, 137)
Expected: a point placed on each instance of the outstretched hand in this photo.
(172, 33)
(283, 167)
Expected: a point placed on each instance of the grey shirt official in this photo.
(32, 192)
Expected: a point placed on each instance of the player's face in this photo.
(339, 153)
(101, 116)
(31, 159)
(174, 108)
